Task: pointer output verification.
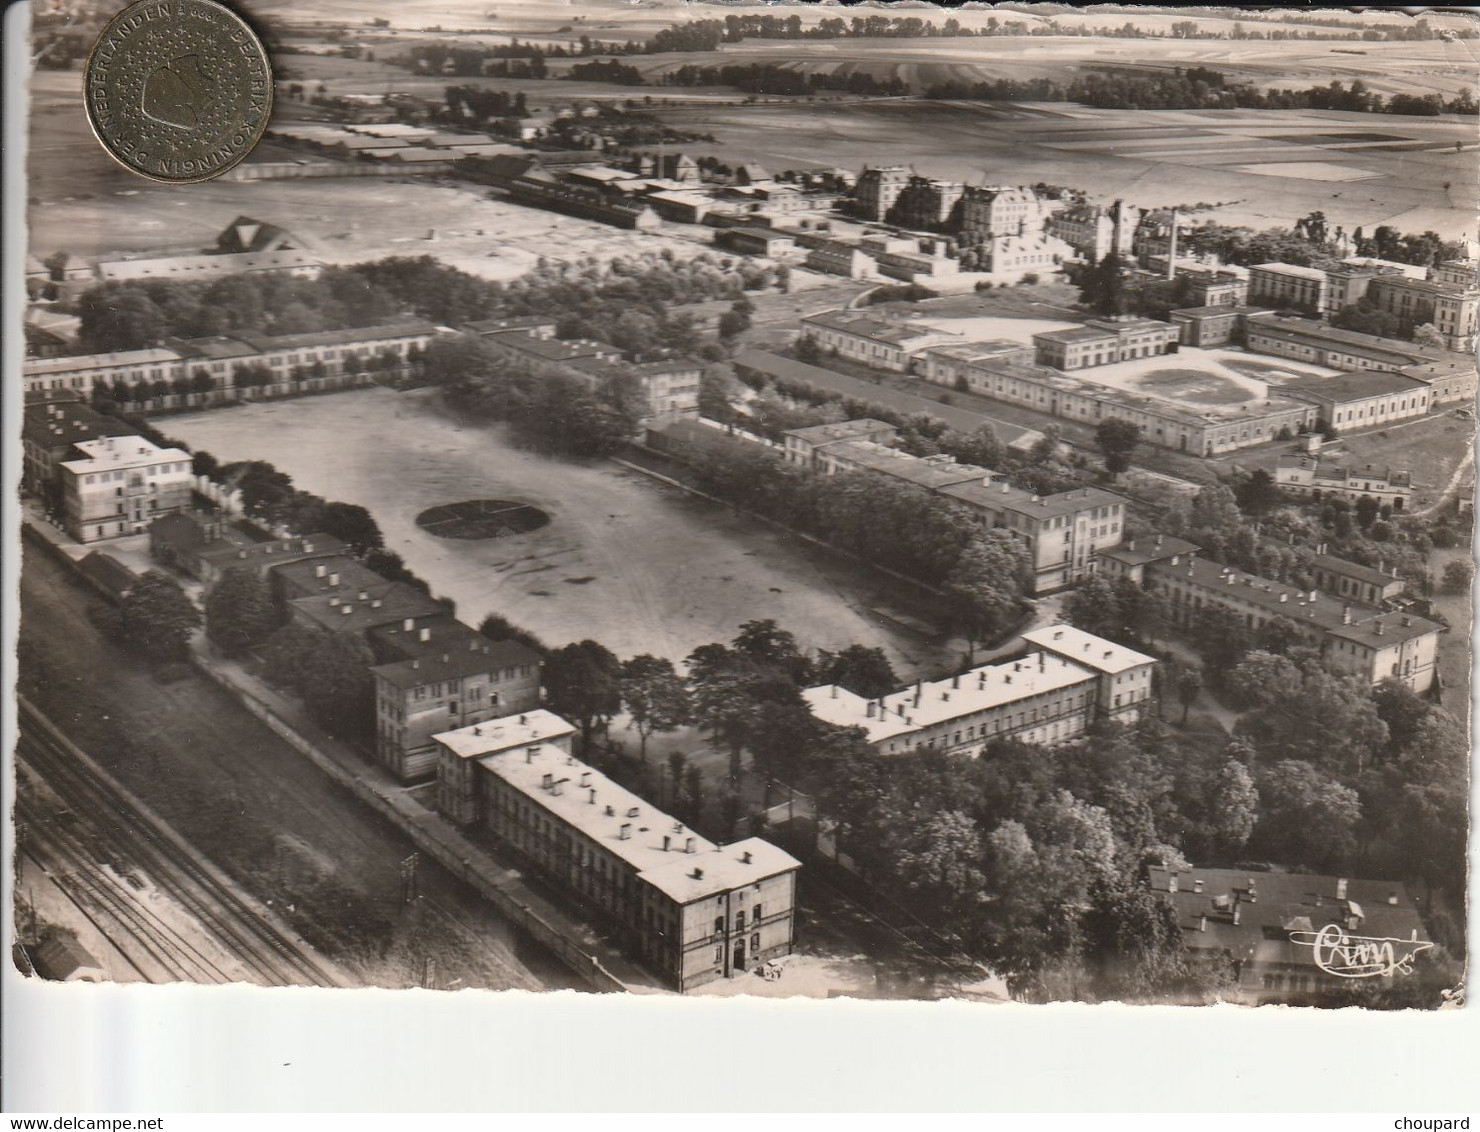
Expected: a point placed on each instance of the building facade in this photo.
(1286, 285)
(692, 910)
(1362, 400)
(1307, 475)
(1451, 308)
(1258, 930)
(449, 676)
(926, 203)
(870, 340)
(878, 188)
(1357, 639)
(1104, 342)
(1052, 694)
(996, 210)
(117, 485)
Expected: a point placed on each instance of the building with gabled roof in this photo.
(692, 910)
(1363, 400)
(1354, 638)
(1309, 475)
(244, 234)
(1259, 928)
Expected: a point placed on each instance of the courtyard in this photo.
(624, 560)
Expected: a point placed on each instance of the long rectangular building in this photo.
(871, 340)
(1207, 433)
(694, 911)
(316, 360)
(1050, 695)
(1353, 638)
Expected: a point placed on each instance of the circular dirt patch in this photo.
(1194, 386)
(481, 518)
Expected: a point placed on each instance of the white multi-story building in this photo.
(1050, 695)
(692, 910)
(118, 484)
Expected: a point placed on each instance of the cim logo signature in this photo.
(1358, 956)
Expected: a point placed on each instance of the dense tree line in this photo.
(708, 35)
(775, 79)
(589, 297)
(550, 410)
(1199, 88)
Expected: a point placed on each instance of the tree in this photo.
(1189, 685)
(354, 525)
(1307, 818)
(497, 627)
(115, 317)
(1102, 287)
(1366, 510)
(583, 683)
(1258, 494)
(655, 696)
(202, 463)
(987, 584)
(330, 673)
(263, 488)
(1458, 573)
(239, 611)
(772, 647)
(156, 618)
(863, 671)
(1117, 439)
(938, 862)
(1233, 809)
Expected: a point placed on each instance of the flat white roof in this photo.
(73, 362)
(1290, 269)
(506, 733)
(586, 800)
(939, 701)
(111, 452)
(1086, 648)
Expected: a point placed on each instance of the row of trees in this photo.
(587, 296)
(707, 35)
(1126, 88)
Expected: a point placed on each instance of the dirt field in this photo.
(625, 561)
(1150, 158)
(1431, 448)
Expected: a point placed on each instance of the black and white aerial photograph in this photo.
(789, 501)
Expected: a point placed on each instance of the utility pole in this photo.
(408, 878)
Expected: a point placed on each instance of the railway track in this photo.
(118, 826)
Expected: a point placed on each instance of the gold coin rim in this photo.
(107, 148)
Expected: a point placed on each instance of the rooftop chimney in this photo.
(745, 857)
(425, 634)
(333, 579)
(591, 801)
(632, 813)
(625, 833)
(1346, 615)
(320, 570)
(688, 844)
(364, 596)
(1377, 625)
(697, 874)
(1341, 888)
(530, 752)
(547, 780)
(666, 840)
(346, 609)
